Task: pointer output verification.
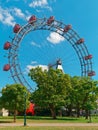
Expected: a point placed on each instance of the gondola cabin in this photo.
(50, 20)
(6, 67)
(16, 28)
(67, 28)
(7, 45)
(32, 19)
(81, 40)
(88, 57)
(92, 73)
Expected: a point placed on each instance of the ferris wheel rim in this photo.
(41, 24)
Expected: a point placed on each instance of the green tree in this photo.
(90, 97)
(51, 88)
(82, 95)
(13, 98)
(72, 97)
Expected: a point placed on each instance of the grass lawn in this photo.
(36, 119)
(50, 128)
(39, 119)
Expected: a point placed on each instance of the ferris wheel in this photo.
(58, 51)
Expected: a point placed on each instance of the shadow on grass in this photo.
(6, 121)
(47, 118)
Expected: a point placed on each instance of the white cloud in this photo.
(19, 13)
(28, 67)
(1, 17)
(34, 62)
(40, 3)
(37, 10)
(36, 3)
(28, 15)
(44, 67)
(55, 38)
(35, 44)
(6, 17)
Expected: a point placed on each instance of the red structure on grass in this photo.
(30, 110)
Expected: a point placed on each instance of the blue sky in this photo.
(40, 47)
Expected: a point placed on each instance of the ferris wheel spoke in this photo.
(40, 54)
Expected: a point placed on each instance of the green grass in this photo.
(39, 119)
(36, 119)
(49, 128)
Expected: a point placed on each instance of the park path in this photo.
(49, 124)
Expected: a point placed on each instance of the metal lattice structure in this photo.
(55, 26)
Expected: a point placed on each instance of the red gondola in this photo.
(7, 45)
(16, 28)
(50, 20)
(67, 28)
(81, 40)
(32, 19)
(88, 57)
(92, 73)
(6, 67)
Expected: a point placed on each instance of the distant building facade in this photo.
(4, 112)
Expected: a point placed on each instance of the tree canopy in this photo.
(13, 98)
(83, 91)
(52, 86)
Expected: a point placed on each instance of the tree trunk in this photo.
(78, 111)
(52, 109)
(69, 110)
(86, 114)
(15, 115)
(90, 117)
